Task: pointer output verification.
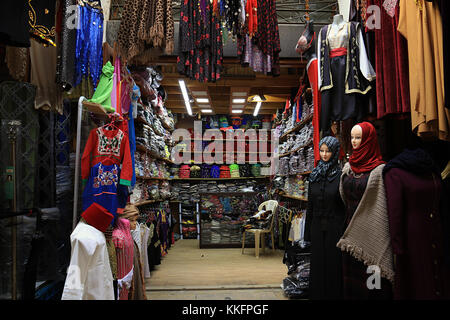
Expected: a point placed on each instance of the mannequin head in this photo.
(306, 40)
(325, 153)
(328, 166)
(131, 213)
(356, 136)
(366, 153)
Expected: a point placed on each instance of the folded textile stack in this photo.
(234, 170)
(164, 190)
(265, 170)
(206, 171)
(174, 171)
(195, 172)
(184, 171)
(256, 170)
(245, 170)
(215, 171)
(224, 172)
(294, 164)
(283, 166)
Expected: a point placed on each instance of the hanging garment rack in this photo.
(99, 110)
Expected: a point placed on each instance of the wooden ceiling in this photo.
(235, 78)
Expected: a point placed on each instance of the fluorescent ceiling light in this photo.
(199, 93)
(237, 111)
(238, 100)
(206, 110)
(202, 100)
(258, 105)
(185, 96)
(239, 94)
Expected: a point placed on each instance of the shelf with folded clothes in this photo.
(295, 174)
(224, 151)
(151, 178)
(292, 196)
(143, 148)
(295, 150)
(296, 128)
(233, 140)
(141, 203)
(223, 179)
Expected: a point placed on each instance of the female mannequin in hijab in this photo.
(324, 223)
(366, 239)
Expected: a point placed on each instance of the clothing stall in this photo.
(316, 130)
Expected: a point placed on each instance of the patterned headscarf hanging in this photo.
(330, 168)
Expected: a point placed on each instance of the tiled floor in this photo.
(235, 294)
(190, 273)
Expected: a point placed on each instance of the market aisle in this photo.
(188, 272)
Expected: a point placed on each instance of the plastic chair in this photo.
(260, 233)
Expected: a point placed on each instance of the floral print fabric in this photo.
(201, 49)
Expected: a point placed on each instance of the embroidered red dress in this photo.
(108, 147)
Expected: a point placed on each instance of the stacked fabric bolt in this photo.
(164, 189)
(245, 170)
(174, 171)
(206, 171)
(302, 161)
(212, 186)
(293, 164)
(175, 191)
(265, 170)
(184, 172)
(234, 170)
(215, 171)
(256, 170)
(310, 159)
(202, 187)
(224, 172)
(231, 187)
(283, 166)
(195, 171)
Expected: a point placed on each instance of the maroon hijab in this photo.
(367, 156)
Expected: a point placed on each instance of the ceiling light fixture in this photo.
(206, 110)
(258, 105)
(237, 111)
(202, 100)
(185, 96)
(238, 100)
(258, 98)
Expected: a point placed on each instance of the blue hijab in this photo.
(330, 168)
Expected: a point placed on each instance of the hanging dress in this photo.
(200, 42)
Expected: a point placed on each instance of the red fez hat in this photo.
(98, 217)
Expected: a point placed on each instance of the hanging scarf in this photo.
(367, 156)
(330, 168)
